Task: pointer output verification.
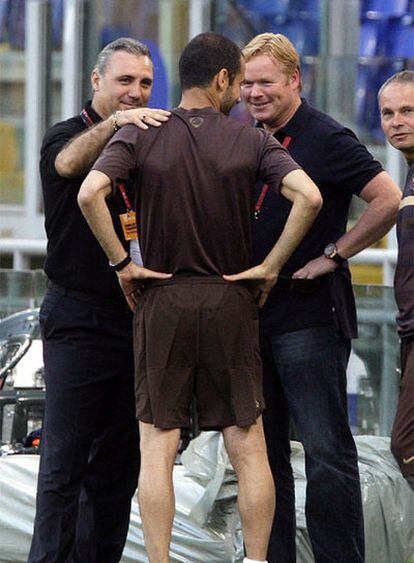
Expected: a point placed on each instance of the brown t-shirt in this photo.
(194, 181)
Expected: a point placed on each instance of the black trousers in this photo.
(90, 447)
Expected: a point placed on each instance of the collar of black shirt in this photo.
(91, 112)
(296, 125)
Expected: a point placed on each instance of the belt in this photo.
(90, 298)
(303, 285)
(191, 279)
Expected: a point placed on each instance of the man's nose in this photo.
(135, 90)
(396, 120)
(256, 90)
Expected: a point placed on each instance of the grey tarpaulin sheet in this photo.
(207, 526)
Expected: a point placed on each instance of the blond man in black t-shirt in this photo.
(310, 316)
(196, 329)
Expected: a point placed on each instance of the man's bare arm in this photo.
(383, 197)
(92, 201)
(79, 154)
(307, 201)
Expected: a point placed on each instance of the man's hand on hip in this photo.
(262, 281)
(132, 279)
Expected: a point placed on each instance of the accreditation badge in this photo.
(129, 225)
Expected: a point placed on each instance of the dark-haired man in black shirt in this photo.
(89, 450)
(310, 316)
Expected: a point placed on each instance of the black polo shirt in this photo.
(341, 167)
(74, 258)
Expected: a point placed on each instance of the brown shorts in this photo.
(402, 437)
(197, 336)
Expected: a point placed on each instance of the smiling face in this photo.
(125, 84)
(397, 117)
(270, 94)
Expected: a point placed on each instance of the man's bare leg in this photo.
(155, 488)
(256, 496)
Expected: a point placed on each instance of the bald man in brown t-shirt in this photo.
(196, 327)
(396, 102)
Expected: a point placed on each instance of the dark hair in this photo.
(205, 56)
(126, 44)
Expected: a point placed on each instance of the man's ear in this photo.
(222, 79)
(95, 79)
(295, 79)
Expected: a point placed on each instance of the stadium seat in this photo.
(159, 95)
(310, 7)
(302, 30)
(363, 95)
(15, 23)
(371, 35)
(385, 7)
(57, 22)
(4, 12)
(399, 37)
(266, 7)
(111, 32)
(12, 24)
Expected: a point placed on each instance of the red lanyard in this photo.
(121, 187)
(259, 202)
(86, 118)
(88, 122)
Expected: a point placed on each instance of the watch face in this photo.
(330, 250)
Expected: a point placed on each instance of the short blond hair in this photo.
(277, 46)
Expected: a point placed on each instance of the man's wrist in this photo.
(115, 120)
(331, 252)
(118, 266)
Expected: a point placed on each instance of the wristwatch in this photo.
(331, 252)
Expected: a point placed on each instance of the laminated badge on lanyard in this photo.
(129, 227)
(128, 219)
(259, 203)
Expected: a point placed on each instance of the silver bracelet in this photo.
(115, 116)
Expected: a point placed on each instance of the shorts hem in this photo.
(240, 423)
